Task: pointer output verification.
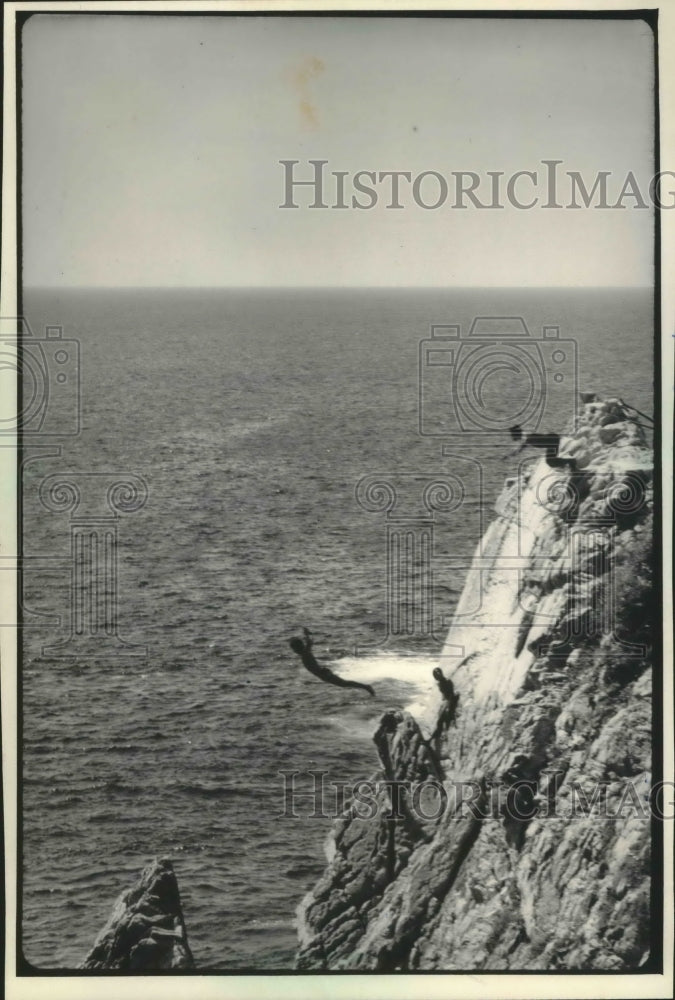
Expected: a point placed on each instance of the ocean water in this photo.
(251, 415)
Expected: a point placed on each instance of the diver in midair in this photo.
(304, 650)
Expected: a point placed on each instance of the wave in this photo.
(386, 668)
(218, 791)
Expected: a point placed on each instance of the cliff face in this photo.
(500, 856)
(146, 931)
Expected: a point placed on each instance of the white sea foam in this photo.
(382, 667)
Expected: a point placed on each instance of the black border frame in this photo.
(655, 964)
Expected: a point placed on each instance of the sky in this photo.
(152, 149)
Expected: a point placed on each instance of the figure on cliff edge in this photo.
(550, 442)
(304, 650)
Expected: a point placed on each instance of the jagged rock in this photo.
(610, 433)
(146, 931)
(553, 708)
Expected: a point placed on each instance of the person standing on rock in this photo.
(304, 650)
(549, 442)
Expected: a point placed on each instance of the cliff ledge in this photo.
(531, 849)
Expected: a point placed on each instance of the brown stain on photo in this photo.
(301, 77)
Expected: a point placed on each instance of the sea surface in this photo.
(251, 415)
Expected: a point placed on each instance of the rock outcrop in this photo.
(531, 850)
(146, 931)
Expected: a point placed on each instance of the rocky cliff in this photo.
(146, 931)
(508, 827)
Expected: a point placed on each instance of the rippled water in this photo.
(251, 416)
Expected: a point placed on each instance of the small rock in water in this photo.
(146, 931)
